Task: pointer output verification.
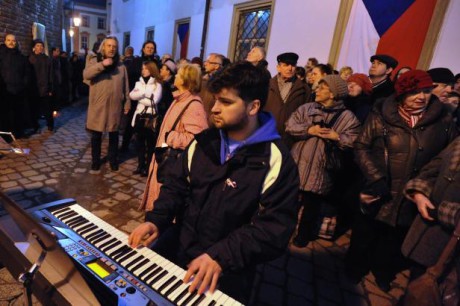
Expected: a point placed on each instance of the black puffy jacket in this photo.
(409, 149)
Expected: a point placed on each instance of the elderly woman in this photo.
(395, 143)
(359, 96)
(108, 97)
(322, 129)
(191, 122)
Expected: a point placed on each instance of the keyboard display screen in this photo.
(99, 268)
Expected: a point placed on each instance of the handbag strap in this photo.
(334, 119)
(447, 254)
(178, 118)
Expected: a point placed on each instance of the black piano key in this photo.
(190, 297)
(158, 277)
(95, 238)
(80, 222)
(110, 241)
(87, 229)
(142, 263)
(212, 303)
(84, 227)
(59, 210)
(121, 253)
(147, 270)
(199, 300)
(127, 255)
(173, 287)
(167, 283)
(100, 238)
(180, 296)
(67, 214)
(133, 262)
(69, 222)
(153, 273)
(119, 250)
(111, 246)
(94, 234)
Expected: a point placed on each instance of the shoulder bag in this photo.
(166, 157)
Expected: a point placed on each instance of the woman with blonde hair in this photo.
(187, 109)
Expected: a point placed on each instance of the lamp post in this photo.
(75, 33)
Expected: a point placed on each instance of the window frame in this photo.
(86, 24)
(238, 10)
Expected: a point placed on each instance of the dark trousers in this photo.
(314, 206)
(146, 140)
(375, 247)
(42, 106)
(96, 143)
(13, 113)
(129, 130)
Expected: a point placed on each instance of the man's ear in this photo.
(389, 71)
(254, 107)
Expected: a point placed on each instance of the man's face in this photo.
(309, 64)
(10, 41)
(254, 56)
(457, 85)
(417, 100)
(110, 48)
(230, 112)
(379, 69)
(38, 49)
(285, 70)
(212, 63)
(56, 52)
(316, 75)
(149, 49)
(442, 90)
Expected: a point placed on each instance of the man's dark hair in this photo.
(324, 68)
(248, 80)
(313, 60)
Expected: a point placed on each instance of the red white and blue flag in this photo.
(394, 27)
(183, 32)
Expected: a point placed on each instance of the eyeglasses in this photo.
(214, 63)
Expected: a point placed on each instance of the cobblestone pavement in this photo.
(58, 167)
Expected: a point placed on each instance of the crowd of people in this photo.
(36, 86)
(266, 161)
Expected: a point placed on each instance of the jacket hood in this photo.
(266, 132)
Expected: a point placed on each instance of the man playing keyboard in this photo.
(233, 194)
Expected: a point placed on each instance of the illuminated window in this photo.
(252, 25)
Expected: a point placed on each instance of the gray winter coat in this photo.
(108, 94)
(309, 151)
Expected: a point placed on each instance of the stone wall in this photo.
(17, 17)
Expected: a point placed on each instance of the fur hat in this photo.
(442, 75)
(171, 65)
(412, 81)
(391, 62)
(337, 86)
(288, 58)
(363, 81)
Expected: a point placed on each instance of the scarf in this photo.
(411, 116)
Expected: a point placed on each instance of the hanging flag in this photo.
(394, 27)
(183, 30)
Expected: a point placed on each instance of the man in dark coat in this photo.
(15, 77)
(250, 219)
(435, 192)
(42, 85)
(286, 93)
(380, 75)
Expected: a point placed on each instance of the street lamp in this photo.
(71, 32)
(77, 21)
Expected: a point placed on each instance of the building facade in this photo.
(307, 27)
(92, 26)
(17, 17)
